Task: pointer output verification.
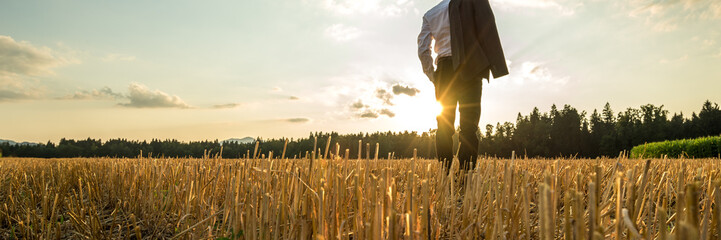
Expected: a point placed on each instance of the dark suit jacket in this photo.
(475, 45)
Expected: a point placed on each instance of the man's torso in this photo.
(439, 22)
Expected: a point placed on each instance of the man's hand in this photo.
(431, 77)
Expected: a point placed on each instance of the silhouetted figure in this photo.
(469, 49)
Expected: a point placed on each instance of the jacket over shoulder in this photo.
(475, 44)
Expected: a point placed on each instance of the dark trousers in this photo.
(451, 89)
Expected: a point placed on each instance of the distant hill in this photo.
(241, 140)
(11, 142)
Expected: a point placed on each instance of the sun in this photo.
(436, 108)
(417, 114)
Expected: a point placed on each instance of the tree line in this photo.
(568, 132)
(561, 132)
(399, 144)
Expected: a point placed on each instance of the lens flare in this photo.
(436, 108)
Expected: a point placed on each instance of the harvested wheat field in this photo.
(267, 198)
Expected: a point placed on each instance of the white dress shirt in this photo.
(436, 26)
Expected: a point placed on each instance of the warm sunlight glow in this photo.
(436, 108)
(417, 114)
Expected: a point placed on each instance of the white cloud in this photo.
(342, 33)
(298, 120)
(22, 58)
(374, 7)
(665, 26)
(708, 42)
(384, 96)
(534, 74)
(10, 95)
(96, 94)
(370, 95)
(714, 11)
(358, 104)
(387, 112)
(142, 97)
(118, 57)
(375, 113)
(10, 82)
(20, 65)
(11, 89)
(565, 7)
(368, 114)
(225, 106)
(679, 59)
(407, 90)
(353, 95)
(139, 96)
(666, 15)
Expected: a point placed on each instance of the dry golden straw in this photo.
(337, 197)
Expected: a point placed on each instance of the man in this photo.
(469, 49)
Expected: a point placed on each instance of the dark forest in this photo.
(561, 132)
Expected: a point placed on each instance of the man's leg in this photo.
(470, 111)
(446, 95)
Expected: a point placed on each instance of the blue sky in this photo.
(196, 70)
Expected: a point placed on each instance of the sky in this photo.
(205, 70)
